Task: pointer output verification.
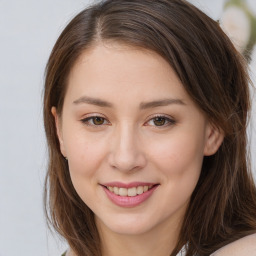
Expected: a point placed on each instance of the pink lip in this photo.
(129, 201)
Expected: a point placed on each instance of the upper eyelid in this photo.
(87, 116)
(160, 115)
(149, 118)
(93, 115)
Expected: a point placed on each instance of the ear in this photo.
(59, 130)
(214, 138)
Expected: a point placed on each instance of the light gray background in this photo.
(28, 30)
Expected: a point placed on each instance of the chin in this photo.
(127, 225)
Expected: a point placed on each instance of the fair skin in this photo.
(148, 132)
(245, 246)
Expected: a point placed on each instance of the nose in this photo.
(126, 153)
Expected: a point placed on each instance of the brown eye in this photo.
(95, 121)
(159, 121)
(98, 120)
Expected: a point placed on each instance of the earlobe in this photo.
(58, 129)
(214, 139)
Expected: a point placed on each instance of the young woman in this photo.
(145, 109)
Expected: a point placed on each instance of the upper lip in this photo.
(128, 185)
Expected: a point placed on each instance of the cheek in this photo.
(180, 155)
(85, 154)
(178, 162)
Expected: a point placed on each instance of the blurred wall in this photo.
(28, 30)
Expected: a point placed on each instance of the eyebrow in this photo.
(160, 103)
(143, 105)
(93, 101)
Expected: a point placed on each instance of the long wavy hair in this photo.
(222, 207)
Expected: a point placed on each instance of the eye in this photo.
(94, 121)
(161, 121)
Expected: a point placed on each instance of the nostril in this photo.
(126, 163)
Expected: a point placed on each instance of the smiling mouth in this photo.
(129, 195)
(130, 192)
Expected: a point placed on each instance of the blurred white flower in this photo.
(237, 26)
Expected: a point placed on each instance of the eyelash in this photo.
(167, 121)
(87, 120)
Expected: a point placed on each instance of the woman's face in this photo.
(134, 139)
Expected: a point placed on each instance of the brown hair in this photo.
(223, 205)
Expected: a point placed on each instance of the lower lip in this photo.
(129, 201)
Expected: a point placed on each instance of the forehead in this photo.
(111, 70)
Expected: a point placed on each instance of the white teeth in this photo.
(123, 192)
(134, 191)
(145, 188)
(140, 190)
(111, 189)
(116, 190)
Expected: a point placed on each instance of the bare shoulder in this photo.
(70, 253)
(245, 246)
